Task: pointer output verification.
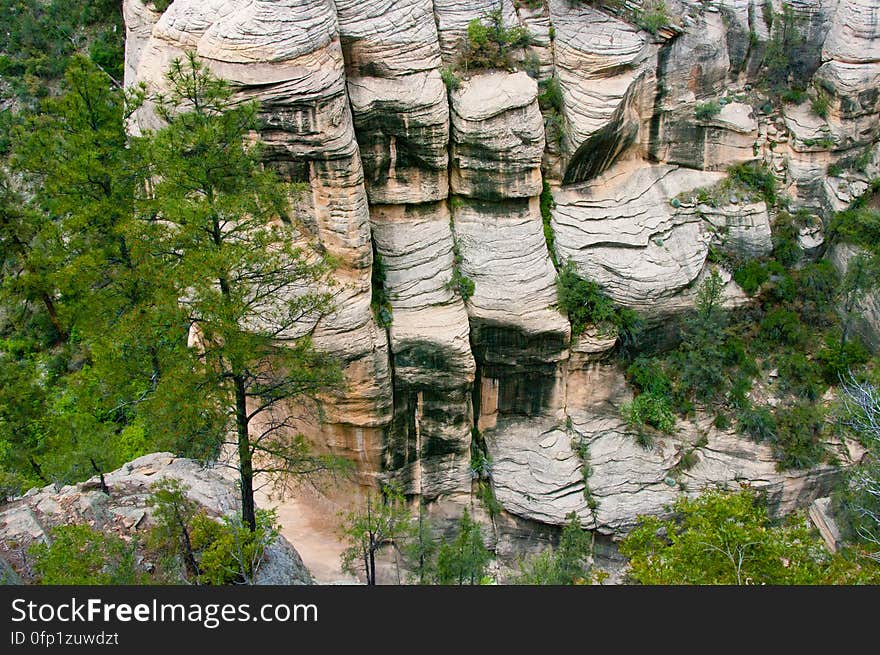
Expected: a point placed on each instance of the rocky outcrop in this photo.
(123, 511)
(540, 475)
(622, 230)
(518, 336)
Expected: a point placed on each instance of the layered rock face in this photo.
(440, 191)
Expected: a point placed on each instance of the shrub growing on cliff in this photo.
(653, 409)
(586, 304)
(379, 301)
(450, 79)
(492, 45)
(820, 104)
(799, 433)
(755, 177)
(652, 17)
(190, 546)
(706, 110)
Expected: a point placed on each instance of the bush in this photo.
(193, 547)
(838, 360)
(586, 304)
(798, 443)
(758, 423)
(706, 110)
(750, 276)
(450, 79)
(794, 95)
(550, 96)
(817, 287)
(801, 377)
(547, 203)
(79, 555)
(492, 45)
(651, 409)
(652, 16)
(229, 553)
(820, 104)
(783, 327)
(755, 177)
(567, 564)
(648, 376)
(464, 560)
(380, 302)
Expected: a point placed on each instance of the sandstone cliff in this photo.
(440, 184)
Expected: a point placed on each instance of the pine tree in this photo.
(219, 220)
(466, 559)
(382, 520)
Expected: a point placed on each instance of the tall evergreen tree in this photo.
(220, 222)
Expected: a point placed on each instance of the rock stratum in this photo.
(436, 183)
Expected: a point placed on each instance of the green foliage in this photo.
(586, 304)
(652, 16)
(567, 564)
(190, 546)
(749, 181)
(651, 409)
(550, 96)
(648, 376)
(751, 275)
(383, 519)
(226, 241)
(859, 225)
(783, 327)
(420, 550)
(80, 555)
(492, 45)
(380, 302)
(38, 38)
(727, 538)
(465, 559)
(799, 433)
(707, 110)
(837, 360)
(450, 79)
(229, 552)
(767, 13)
(459, 283)
(700, 360)
(793, 95)
(759, 423)
(547, 204)
(755, 177)
(820, 104)
(787, 57)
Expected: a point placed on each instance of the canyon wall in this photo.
(441, 185)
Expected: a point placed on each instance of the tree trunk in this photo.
(56, 323)
(245, 463)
